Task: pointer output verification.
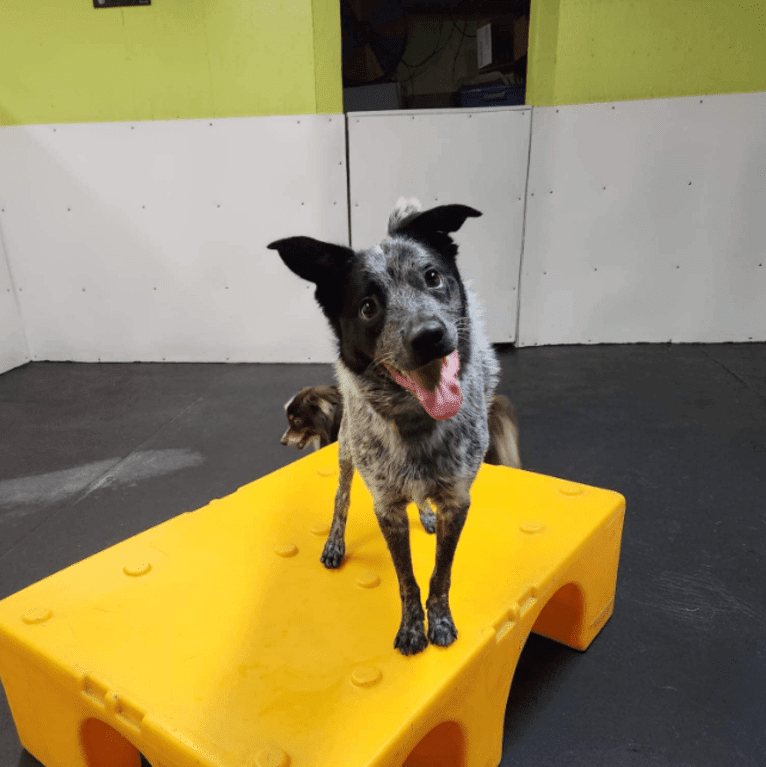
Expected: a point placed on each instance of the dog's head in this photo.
(310, 415)
(398, 309)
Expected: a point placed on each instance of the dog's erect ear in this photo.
(311, 259)
(433, 227)
(443, 219)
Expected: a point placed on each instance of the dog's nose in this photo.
(428, 340)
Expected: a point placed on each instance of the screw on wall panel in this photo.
(217, 206)
(143, 207)
(155, 288)
(132, 128)
(69, 209)
(303, 203)
(690, 183)
(604, 189)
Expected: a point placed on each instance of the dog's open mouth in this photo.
(435, 385)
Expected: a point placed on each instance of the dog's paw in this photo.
(441, 630)
(410, 639)
(332, 556)
(428, 519)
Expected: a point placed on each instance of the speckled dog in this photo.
(417, 375)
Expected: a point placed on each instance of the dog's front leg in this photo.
(335, 548)
(450, 518)
(395, 525)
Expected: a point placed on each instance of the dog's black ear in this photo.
(444, 218)
(432, 227)
(311, 259)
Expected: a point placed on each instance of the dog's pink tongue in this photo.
(445, 401)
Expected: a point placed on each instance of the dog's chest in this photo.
(451, 451)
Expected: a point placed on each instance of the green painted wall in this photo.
(65, 61)
(584, 51)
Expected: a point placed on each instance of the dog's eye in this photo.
(433, 278)
(297, 422)
(367, 309)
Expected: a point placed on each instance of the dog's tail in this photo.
(503, 434)
(406, 208)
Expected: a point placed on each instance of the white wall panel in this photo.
(646, 222)
(13, 345)
(147, 240)
(477, 158)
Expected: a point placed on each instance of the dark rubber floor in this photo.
(92, 454)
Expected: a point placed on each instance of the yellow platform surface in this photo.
(218, 638)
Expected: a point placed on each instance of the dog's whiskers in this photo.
(379, 362)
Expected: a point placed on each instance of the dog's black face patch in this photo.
(362, 318)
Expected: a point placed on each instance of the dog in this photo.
(417, 375)
(503, 434)
(314, 415)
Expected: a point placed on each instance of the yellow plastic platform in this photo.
(218, 638)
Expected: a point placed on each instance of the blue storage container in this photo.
(495, 95)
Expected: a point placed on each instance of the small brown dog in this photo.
(315, 412)
(313, 415)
